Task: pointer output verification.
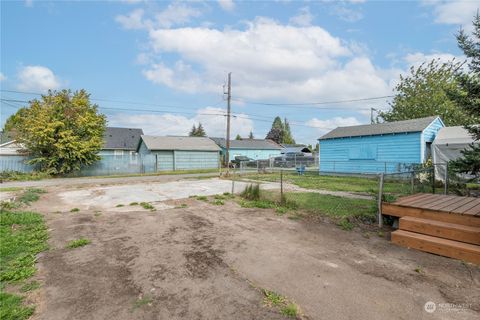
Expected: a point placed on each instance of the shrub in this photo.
(251, 192)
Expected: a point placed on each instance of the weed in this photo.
(273, 298)
(147, 206)
(30, 286)
(30, 195)
(133, 203)
(219, 197)
(78, 243)
(119, 205)
(263, 204)
(11, 307)
(290, 310)
(202, 198)
(226, 193)
(251, 192)
(22, 176)
(418, 270)
(8, 205)
(97, 213)
(183, 205)
(75, 210)
(281, 210)
(381, 234)
(141, 301)
(10, 189)
(218, 202)
(193, 196)
(345, 224)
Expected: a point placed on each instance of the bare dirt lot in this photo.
(191, 259)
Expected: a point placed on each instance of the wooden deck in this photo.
(440, 224)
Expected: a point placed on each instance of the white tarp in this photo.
(447, 146)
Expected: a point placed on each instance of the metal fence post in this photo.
(446, 178)
(380, 195)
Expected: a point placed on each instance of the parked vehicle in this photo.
(293, 159)
(238, 159)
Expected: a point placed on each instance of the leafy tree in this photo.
(193, 131)
(281, 130)
(238, 137)
(275, 134)
(250, 135)
(61, 131)
(425, 92)
(469, 96)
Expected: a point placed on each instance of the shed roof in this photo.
(122, 138)
(414, 125)
(179, 143)
(453, 135)
(265, 144)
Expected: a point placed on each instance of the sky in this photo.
(162, 66)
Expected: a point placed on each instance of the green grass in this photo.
(218, 202)
(286, 307)
(290, 310)
(183, 205)
(75, 210)
(119, 205)
(22, 236)
(31, 195)
(202, 198)
(30, 286)
(273, 298)
(78, 243)
(12, 307)
(335, 183)
(10, 189)
(133, 203)
(147, 206)
(23, 176)
(142, 301)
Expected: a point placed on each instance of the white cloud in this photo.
(323, 126)
(37, 78)
(268, 60)
(417, 58)
(303, 18)
(175, 13)
(346, 13)
(2, 77)
(458, 12)
(212, 119)
(227, 5)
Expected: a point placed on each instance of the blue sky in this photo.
(162, 65)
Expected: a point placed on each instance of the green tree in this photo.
(238, 137)
(193, 131)
(287, 137)
(275, 134)
(425, 91)
(61, 131)
(469, 96)
(250, 135)
(280, 131)
(197, 131)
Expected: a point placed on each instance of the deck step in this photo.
(444, 247)
(441, 229)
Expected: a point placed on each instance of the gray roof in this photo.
(122, 138)
(180, 143)
(414, 125)
(265, 144)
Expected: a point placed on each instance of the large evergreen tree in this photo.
(280, 132)
(61, 131)
(469, 96)
(197, 131)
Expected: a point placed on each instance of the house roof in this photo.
(453, 135)
(265, 144)
(179, 143)
(122, 138)
(414, 125)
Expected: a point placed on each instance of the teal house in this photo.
(170, 153)
(383, 147)
(256, 149)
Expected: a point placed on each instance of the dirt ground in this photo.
(205, 261)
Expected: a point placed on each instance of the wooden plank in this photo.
(442, 204)
(440, 229)
(409, 199)
(473, 211)
(444, 247)
(468, 206)
(454, 207)
(401, 211)
(424, 201)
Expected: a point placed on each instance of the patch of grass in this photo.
(281, 210)
(10, 189)
(119, 205)
(345, 224)
(30, 195)
(251, 192)
(202, 198)
(183, 205)
(273, 298)
(75, 210)
(142, 301)
(12, 307)
(97, 213)
(262, 204)
(219, 197)
(418, 270)
(290, 310)
(147, 206)
(8, 205)
(381, 234)
(30, 286)
(226, 193)
(218, 202)
(22, 236)
(133, 204)
(23, 176)
(78, 243)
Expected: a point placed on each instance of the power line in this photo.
(312, 103)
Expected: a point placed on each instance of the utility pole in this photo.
(229, 97)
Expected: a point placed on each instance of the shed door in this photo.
(164, 160)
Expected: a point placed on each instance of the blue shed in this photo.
(256, 149)
(375, 148)
(180, 153)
